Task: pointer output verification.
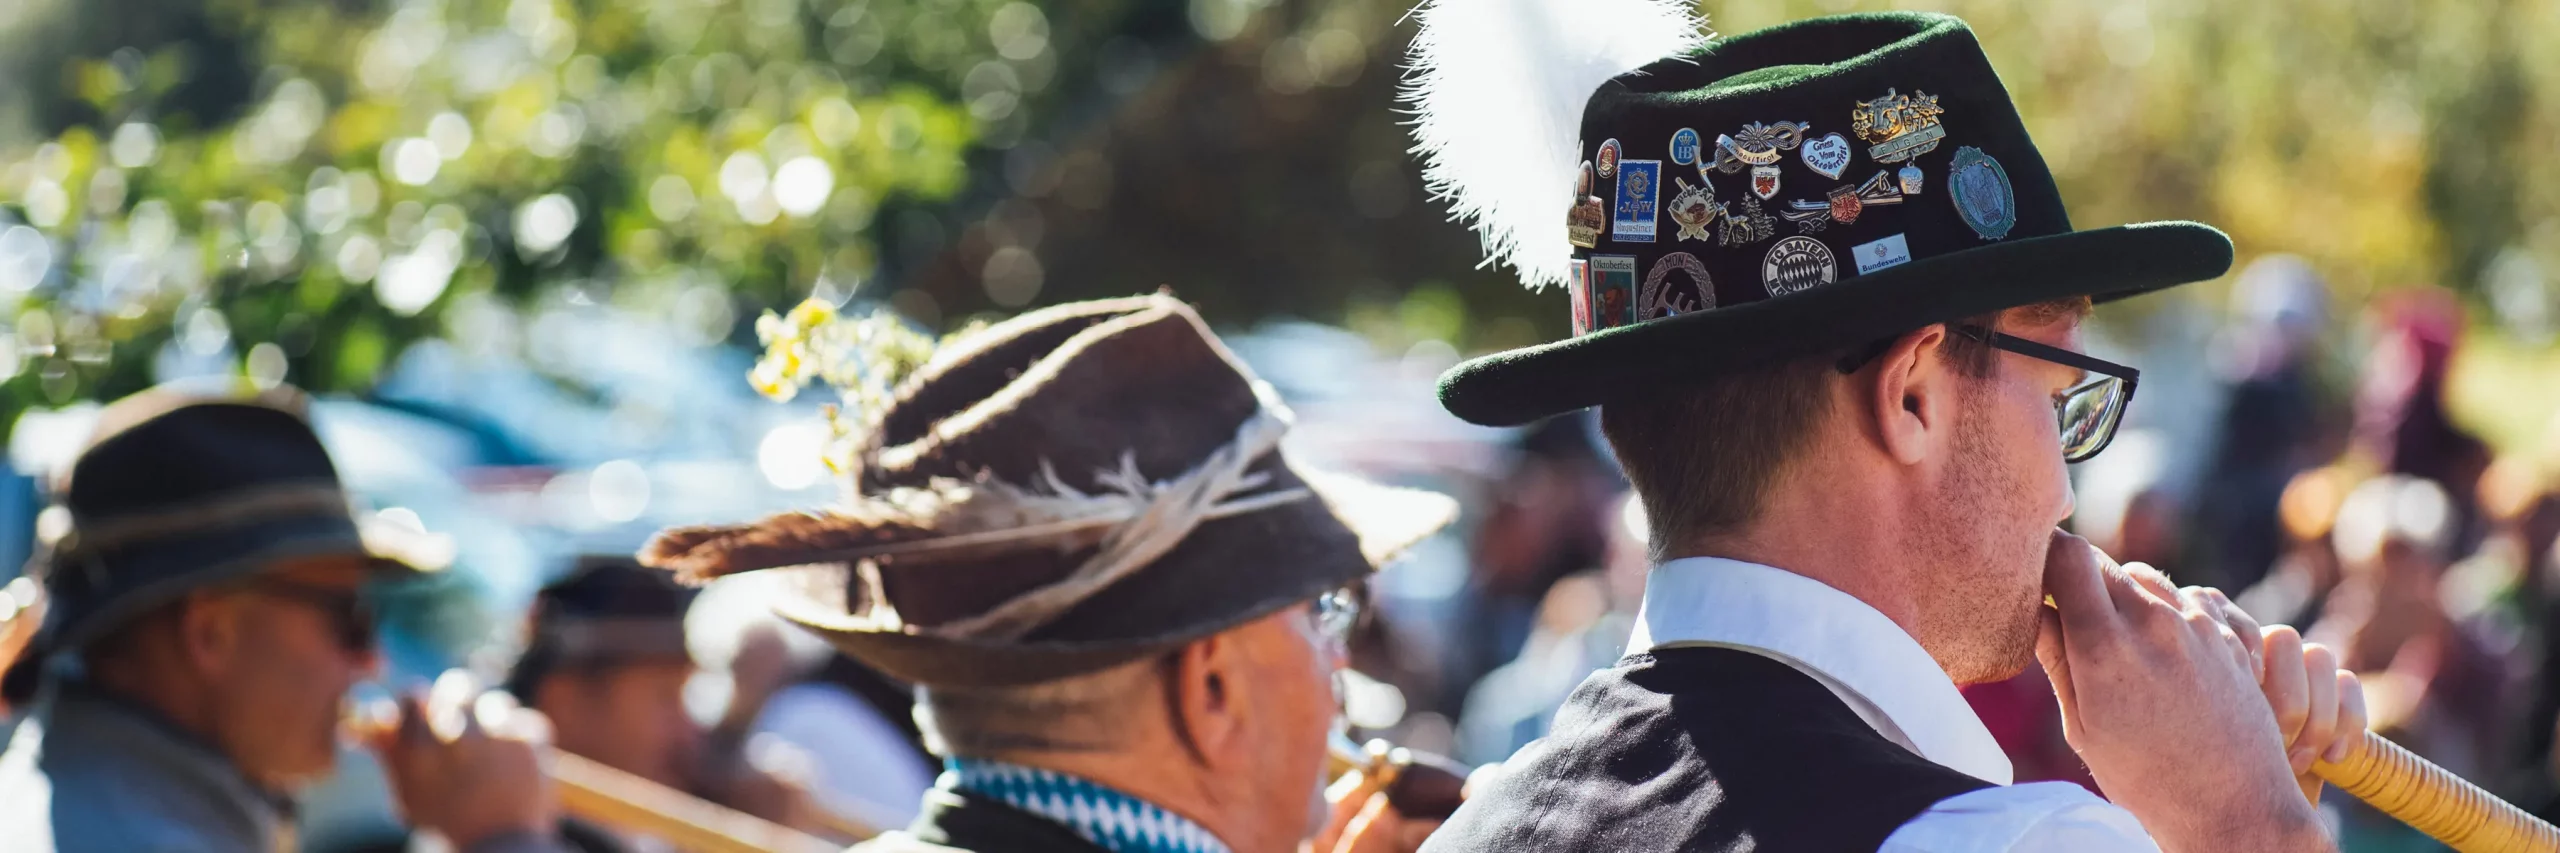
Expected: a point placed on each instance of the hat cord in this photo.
(1173, 509)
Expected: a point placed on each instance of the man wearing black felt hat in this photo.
(605, 659)
(1827, 299)
(1121, 603)
(207, 613)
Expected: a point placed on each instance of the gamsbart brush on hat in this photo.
(1077, 487)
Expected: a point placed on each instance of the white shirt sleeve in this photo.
(2032, 818)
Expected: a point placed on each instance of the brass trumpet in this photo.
(1418, 784)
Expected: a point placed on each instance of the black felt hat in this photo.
(1800, 190)
(606, 610)
(178, 490)
(1077, 487)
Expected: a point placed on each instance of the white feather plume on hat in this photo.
(1498, 87)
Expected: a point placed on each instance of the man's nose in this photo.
(367, 662)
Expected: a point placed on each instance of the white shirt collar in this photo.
(1866, 659)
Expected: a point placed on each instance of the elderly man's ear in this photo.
(1205, 683)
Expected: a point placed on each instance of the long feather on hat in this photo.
(1498, 87)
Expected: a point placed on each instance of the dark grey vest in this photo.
(1702, 749)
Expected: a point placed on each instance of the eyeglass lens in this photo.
(2089, 414)
(350, 614)
(1336, 613)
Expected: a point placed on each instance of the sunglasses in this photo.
(1335, 614)
(2088, 413)
(350, 611)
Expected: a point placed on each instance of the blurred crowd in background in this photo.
(519, 246)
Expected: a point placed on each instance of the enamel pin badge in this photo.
(1798, 264)
(1664, 298)
(1693, 209)
(1578, 288)
(1759, 147)
(1684, 147)
(1827, 155)
(1611, 282)
(1900, 127)
(1639, 200)
(1589, 215)
(1980, 188)
(1843, 205)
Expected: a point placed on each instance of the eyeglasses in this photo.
(1335, 614)
(2088, 413)
(350, 611)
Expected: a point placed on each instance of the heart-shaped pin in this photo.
(1828, 154)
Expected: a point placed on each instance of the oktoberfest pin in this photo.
(1980, 188)
(1827, 155)
(1693, 209)
(1684, 147)
(1899, 127)
(1797, 264)
(1613, 291)
(1662, 298)
(1607, 159)
(1639, 194)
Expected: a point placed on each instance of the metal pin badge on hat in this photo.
(1693, 209)
(1798, 264)
(1664, 298)
(1900, 127)
(1639, 196)
(1759, 146)
(1980, 188)
(1827, 155)
(1589, 215)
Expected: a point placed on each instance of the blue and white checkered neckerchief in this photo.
(1108, 818)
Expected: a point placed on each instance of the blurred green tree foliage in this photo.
(334, 178)
(301, 188)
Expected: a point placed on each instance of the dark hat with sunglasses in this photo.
(1078, 487)
(177, 491)
(1713, 205)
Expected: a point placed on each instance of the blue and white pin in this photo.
(1684, 147)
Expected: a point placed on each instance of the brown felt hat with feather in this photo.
(1078, 487)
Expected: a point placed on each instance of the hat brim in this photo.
(1386, 520)
(1523, 385)
(152, 575)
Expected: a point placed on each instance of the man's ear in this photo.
(1205, 681)
(1910, 398)
(209, 632)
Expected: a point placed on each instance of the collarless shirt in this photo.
(1884, 676)
(1110, 818)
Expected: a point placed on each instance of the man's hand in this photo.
(2319, 707)
(467, 764)
(1360, 820)
(2161, 696)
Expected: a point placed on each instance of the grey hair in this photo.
(1083, 713)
